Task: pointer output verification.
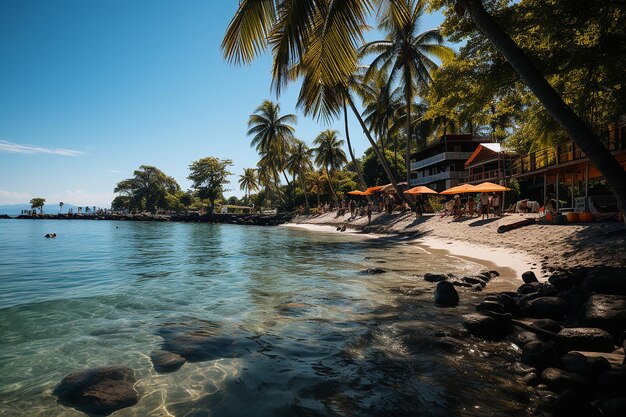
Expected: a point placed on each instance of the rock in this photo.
(475, 280)
(587, 339)
(590, 368)
(510, 305)
(614, 407)
(563, 281)
(458, 283)
(521, 337)
(491, 306)
(373, 271)
(558, 380)
(545, 308)
(612, 384)
(574, 299)
(547, 324)
(529, 276)
(605, 280)
(528, 287)
(98, 391)
(486, 327)
(571, 404)
(446, 295)
(494, 273)
(607, 312)
(434, 277)
(164, 361)
(531, 379)
(540, 355)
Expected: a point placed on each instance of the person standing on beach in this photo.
(352, 208)
(495, 203)
(368, 210)
(484, 204)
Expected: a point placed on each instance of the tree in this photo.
(372, 169)
(209, 175)
(248, 181)
(316, 181)
(329, 155)
(575, 127)
(299, 162)
(147, 189)
(37, 203)
(61, 206)
(406, 53)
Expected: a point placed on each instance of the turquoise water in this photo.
(309, 334)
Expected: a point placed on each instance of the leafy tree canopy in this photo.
(37, 203)
(209, 175)
(147, 189)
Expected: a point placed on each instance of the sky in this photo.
(91, 90)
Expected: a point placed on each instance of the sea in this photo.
(305, 323)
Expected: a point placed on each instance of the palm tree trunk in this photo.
(356, 166)
(330, 184)
(575, 127)
(409, 136)
(382, 160)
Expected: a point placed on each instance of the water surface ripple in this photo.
(298, 330)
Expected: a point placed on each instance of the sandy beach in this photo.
(539, 247)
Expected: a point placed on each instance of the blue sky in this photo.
(90, 90)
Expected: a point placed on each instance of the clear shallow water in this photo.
(306, 333)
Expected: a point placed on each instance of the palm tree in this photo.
(299, 162)
(406, 53)
(329, 155)
(248, 181)
(316, 181)
(61, 206)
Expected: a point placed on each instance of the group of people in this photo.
(486, 203)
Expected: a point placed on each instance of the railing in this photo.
(444, 156)
(485, 176)
(438, 177)
(561, 154)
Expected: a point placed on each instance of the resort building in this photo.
(442, 164)
(490, 162)
(565, 174)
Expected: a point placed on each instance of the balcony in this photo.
(438, 177)
(444, 156)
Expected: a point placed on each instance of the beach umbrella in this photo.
(374, 189)
(489, 187)
(420, 189)
(460, 189)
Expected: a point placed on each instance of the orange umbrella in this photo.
(420, 189)
(460, 189)
(357, 192)
(373, 189)
(489, 187)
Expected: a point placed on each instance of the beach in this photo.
(544, 248)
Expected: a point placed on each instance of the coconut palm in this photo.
(61, 204)
(299, 162)
(316, 181)
(248, 181)
(329, 154)
(406, 54)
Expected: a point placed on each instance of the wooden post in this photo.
(587, 187)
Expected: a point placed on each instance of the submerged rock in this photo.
(164, 361)
(373, 271)
(446, 295)
(98, 390)
(558, 380)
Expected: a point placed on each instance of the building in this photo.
(442, 164)
(490, 162)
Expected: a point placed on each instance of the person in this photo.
(495, 203)
(471, 206)
(368, 209)
(457, 206)
(484, 204)
(352, 205)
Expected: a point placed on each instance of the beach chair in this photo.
(598, 215)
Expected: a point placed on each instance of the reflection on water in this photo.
(293, 328)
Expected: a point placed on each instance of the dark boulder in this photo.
(491, 306)
(605, 280)
(510, 304)
(613, 407)
(531, 379)
(612, 384)
(475, 280)
(547, 324)
(373, 271)
(559, 380)
(590, 368)
(545, 308)
(573, 298)
(98, 391)
(521, 337)
(164, 361)
(528, 288)
(434, 277)
(486, 327)
(563, 281)
(587, 339)
(607, 312)
(570, 403)
(446, 295)
(540, 355)
(529, 276)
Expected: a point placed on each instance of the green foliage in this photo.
(515, 192)
(37, 203)
(147, 189)
(208, 176)
(373, 172)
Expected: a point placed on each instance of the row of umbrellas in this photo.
(485, 187)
